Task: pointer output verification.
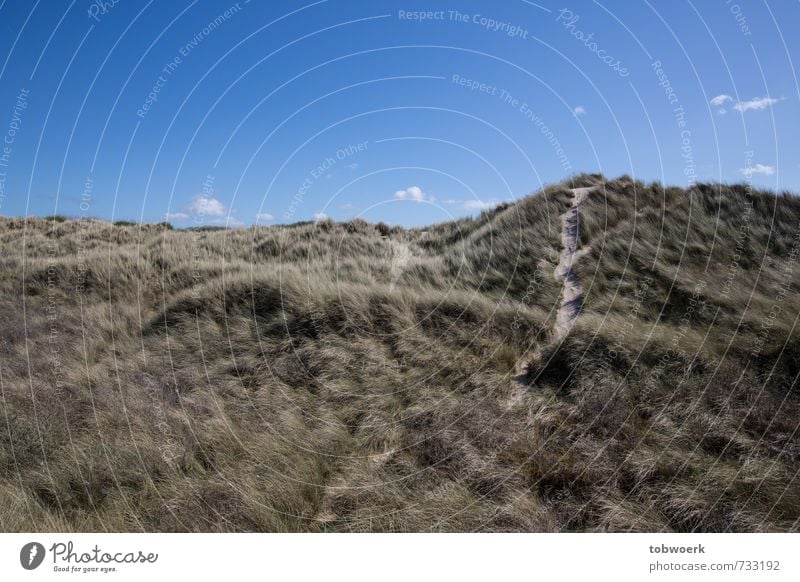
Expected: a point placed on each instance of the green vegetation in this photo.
(358, 377)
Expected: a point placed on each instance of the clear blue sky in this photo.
(287, 109)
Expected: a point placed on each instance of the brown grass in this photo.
(305, 378)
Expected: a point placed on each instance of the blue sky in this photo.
(223, 112)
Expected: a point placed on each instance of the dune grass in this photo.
(356, 377)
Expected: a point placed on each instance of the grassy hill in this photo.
(357, 377)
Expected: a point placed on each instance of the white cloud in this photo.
(320, 216)
(579, 110)
(413, 193)
(479, 204)
(720, 100)
(207, 206)
(264, 216)
(756, 104)
(758, 169)
(353, 166)
(203, 206)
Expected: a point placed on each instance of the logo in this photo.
(31, 555)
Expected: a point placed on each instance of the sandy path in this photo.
(572, 294)
(401, 256)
